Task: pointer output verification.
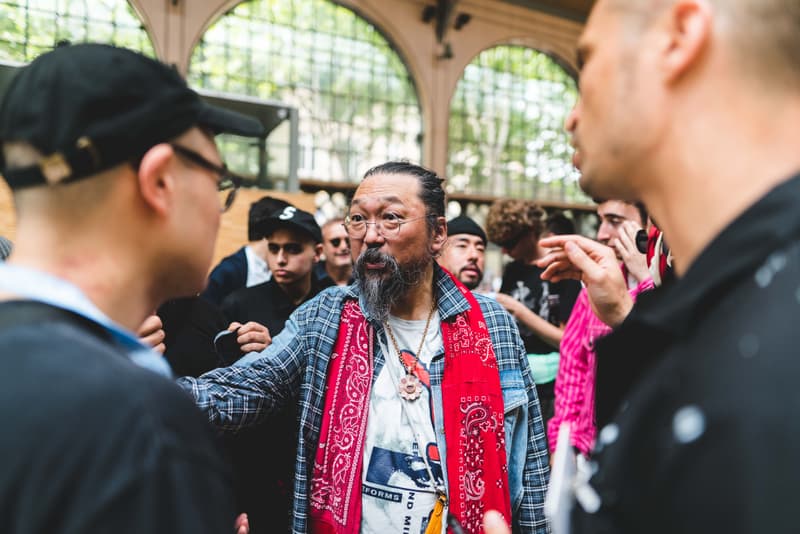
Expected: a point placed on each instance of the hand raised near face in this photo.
(580, 258)
(634, 260)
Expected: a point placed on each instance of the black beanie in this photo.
(464, 225)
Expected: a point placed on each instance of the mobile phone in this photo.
(641, 241)
(226, 345)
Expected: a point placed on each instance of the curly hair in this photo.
(509, 219)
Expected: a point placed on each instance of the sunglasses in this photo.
(336, 241)
(292, 249)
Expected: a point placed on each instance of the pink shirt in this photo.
(574, 387)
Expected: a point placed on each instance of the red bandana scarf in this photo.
(473, 424)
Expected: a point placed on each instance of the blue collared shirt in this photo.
(294, 369)
(36, 285)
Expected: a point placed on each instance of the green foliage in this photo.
(506, 127)
(29, 28)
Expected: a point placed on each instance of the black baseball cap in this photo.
(294, 218)
(89, 107)
(259, 212)
(464, 225)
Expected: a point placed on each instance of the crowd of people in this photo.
(379, 390)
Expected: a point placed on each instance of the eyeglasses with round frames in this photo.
(389, 226)
(228, 181)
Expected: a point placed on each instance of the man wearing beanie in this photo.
(116, 179)
(465, 251)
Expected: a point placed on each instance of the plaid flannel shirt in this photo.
(293, 369)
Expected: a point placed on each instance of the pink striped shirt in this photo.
(574, 387)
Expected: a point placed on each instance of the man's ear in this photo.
(156, 178)
(687, 26)
(439, 235)
(317, 252)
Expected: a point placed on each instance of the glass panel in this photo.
(506, 134)
(29, 28)
(357, 103)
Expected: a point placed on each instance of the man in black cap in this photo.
(294, 245)
(465, 251)
(247, 266)
(115, 175)
(263, 456)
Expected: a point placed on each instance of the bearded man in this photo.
(415, 396)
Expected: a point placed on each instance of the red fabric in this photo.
(477, 465)
(473, 424)
(659, 253)
(336, 484)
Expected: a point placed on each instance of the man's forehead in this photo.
(617, 209)
(387, 188)
(333, 228)
(466, 237)
(385, 199)
(289, 235)
(603, 14)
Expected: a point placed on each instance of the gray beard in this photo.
(380, 293)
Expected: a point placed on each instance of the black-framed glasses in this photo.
(388, 226)
(336, 241)
(228, 181)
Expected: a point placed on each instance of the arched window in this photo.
(357, 104)
(29, 28)
(507, 133)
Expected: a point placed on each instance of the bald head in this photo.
(764, 34)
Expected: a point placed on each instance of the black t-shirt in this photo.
(93, 443)
(263, 456)
(549, 301)
(266, 303)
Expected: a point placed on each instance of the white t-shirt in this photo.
(257, 269)
(397, 492)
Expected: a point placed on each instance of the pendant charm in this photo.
(410, 387)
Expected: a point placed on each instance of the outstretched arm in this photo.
(243, 395)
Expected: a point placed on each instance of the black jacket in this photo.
(697, 391)
(93, 443)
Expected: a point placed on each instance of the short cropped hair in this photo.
(764, 33)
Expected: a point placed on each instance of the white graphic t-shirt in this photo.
(400, 452)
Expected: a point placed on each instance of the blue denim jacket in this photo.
(294, 369)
